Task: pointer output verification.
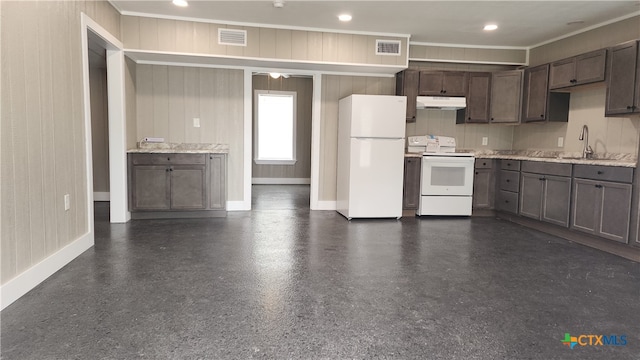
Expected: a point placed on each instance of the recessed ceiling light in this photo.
(278, 4)
(181, 3)
(490, 27)
(344, 17)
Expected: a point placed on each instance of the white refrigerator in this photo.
(371, 131)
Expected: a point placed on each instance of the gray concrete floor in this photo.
(293, 283)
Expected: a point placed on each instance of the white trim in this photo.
(255, 61)
(460, 61)
(489, 47)
(238, 205)
(325, 205)
(281, 181)
(258, 25)
(247, 145)
(589, 28)
(101, 196)
(316, 116)
(29, 279)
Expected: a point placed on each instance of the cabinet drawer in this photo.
(507, 201)
(484, 164)
(540, 167)
(606, 173)
(167, 159)
(510, 165)
(509, 180)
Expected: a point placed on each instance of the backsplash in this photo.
(468, 136)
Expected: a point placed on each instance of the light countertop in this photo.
(183, 148)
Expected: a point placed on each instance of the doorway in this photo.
(281, 175)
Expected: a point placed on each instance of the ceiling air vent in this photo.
(232, 37)
(388, 47)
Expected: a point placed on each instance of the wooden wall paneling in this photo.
(404, 51)
(167, 35)
(131, 102)
(370, 51)
(314, 44)
(144, 96)
(359, 85)
(160, 81)
(131, 32)
(267, 43)
(299, 45)
(359, 52)
(283, 44)
(99, 128)
(253, 42)
(184, 32)
(345, 48)
(329, 46)
(235, 50)
(214, 47)
(176, 104)
(191, 104)
(148, 34)
(208, 115)
(201, 38)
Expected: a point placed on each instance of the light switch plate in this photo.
(485, 140)
(67, 202)
(560, 141)
(196, 122)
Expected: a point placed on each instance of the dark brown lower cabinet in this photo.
(602, 208)
(545, 197)
(483, 184)
(411, 193)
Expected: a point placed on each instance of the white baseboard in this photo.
(238, 205)
(29, 279)
(325, 205)
(101, 196)
(281, 181)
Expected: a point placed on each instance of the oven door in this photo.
(447, 176)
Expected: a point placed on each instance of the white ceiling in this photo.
(521, 23)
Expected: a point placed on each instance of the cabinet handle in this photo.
(444, 91)
(506, 201)
(170, 169)
(542, 179)
(541, 116)
(600, 172)
(476, 173)
(508, 164)
(598, 186)
(508, 180)
(491, 119)
(168, 159)
(629, 107)
(484, 164)
(469, 118)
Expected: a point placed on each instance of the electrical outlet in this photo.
(485, 140)
(67, 202)
(196, 122)
(560, 141)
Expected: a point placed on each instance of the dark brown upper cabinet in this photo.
(538, 104)
(443, 83)
(506, 94)
(407, 85)
(578, 70)
(623, 82)
(478, 99)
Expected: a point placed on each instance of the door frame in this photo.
(119, 212)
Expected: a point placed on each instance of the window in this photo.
(275, 127)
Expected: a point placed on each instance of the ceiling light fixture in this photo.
(181, 3)
(344, 17)
(278, 4)
(490, 27)
(275, 75)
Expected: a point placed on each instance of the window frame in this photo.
(256, 137)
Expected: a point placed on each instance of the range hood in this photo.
(441, 102)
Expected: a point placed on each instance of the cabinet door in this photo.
(531, 186)
(556, 200)
(411, 195)
(188, 187)
(217, 181)
(616, 211)
(621, 84)
(478, 97)
(431, 83)
(150, 187)
(536, 91)
(506, 88)
(590, 67)
(482, 188)
(407, 83)
(454, 83)
(562, 73)
(586, 198)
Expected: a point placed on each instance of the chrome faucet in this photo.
(587, 151)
